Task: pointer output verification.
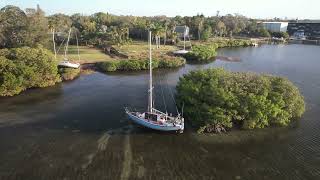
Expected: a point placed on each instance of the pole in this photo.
(54, 44)
(78, 47)
(184, 42)
(184, 37)
(150, 76)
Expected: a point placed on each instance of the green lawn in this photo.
(140, 49)
(87, 55)
(136, 50)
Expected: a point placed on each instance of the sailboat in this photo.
(65, 62)
(153, 118)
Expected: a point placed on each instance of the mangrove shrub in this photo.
(202, 53)
(221, 43)
(68, 74)
(134, 65)
(218, 98)
(23, 68)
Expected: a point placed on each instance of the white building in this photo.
(276, 26)
(182, 31)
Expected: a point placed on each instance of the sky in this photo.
(292, 9)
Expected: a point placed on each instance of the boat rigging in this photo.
(153, 118)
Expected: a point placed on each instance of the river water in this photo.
(78, 129)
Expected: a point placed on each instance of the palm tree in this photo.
(158, 31)
(166, 24)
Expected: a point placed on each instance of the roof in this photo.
(307, 21)
(271, 22)
(181, 29)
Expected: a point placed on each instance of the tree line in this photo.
(31, 27)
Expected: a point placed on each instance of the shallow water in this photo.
(78, 129)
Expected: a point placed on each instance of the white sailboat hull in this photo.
(180, 52)
(69, 64)
(152, 125)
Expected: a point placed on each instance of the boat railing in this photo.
(128, 109)
(159, 112)
(170, 119)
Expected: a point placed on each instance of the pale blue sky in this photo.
(251, 8)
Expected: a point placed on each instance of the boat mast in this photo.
(150, 106)
(78, 47)
(184, 38)
(65, 52)
(54, 44)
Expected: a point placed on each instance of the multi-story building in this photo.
(310, 29)
(275, 26)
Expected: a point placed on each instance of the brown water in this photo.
(78, 130)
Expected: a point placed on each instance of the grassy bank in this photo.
(221, 43)
(138, 51)
(205, 51)
(226, 42)
(87, 55)
(135, 65)
(68, 74)
(138, 58)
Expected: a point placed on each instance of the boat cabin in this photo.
(152, 117)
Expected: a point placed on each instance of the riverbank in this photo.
(300, 41)
(136, 53)
(138, 50)
(228, 42)
(136, 65)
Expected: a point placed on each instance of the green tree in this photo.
(23, 68)
(11, 78)
(207, 32)
(263, 32)
(13, 27)
(234, 24)
(157, 31)
(119, 35)
(37, 28)
(102, 20)
(60, 22)
(220, 28)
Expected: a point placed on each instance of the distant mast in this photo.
(65, 52)
(184, 37)
(54, 44)
(150, 106)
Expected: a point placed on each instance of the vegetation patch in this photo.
(226, 42)
(68, 74)
(135, 65)
(23, 68)
(216, 100)
(221, 43)
(202, 53)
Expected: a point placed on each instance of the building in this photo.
(182, 31)
(309, 29)
(275, 26)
